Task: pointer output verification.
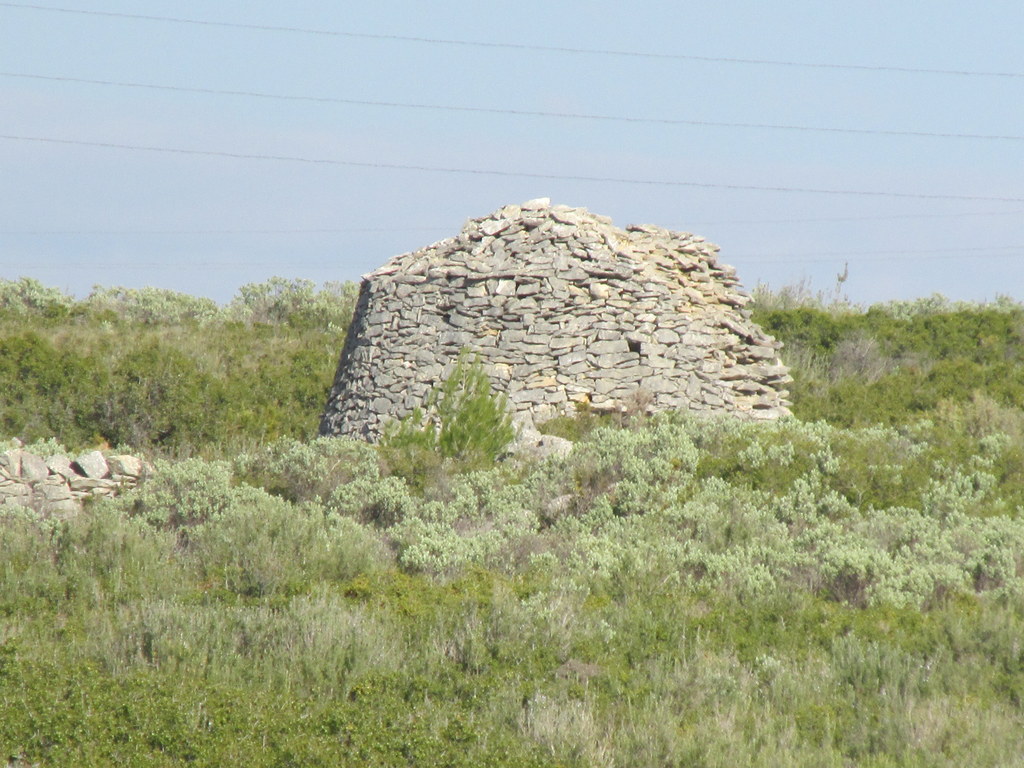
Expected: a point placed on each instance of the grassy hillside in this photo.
(842, 588)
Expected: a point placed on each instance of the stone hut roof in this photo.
(563, 308)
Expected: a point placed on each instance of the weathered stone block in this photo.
(54, 492)
(613, 360)
(61, 508)
(10, 463)
(528, 396)
(89, 483)
(33, 468)
(571, 358)
(576, 368)
(608, 347)
(13, 489)
(61, 465)
(93, 464)
(562, 342)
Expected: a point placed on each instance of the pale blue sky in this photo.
(73, 216)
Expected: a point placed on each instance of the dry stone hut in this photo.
(564, 309)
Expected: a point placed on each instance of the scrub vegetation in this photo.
(166, 372)
(843, 588)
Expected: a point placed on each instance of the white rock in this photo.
(538, 203)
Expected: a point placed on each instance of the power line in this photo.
(859, 218)
(515, 112)
(506, 174)
(79, 232)
(967, 249)
(876, 255)
(855, 218)
(521, 46)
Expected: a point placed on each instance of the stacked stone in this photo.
(56, 486)
(564, 309)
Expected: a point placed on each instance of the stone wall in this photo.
(57, 485)
(564, 309)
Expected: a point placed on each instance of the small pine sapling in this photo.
(463, 419)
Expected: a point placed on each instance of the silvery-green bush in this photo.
(282, 301)
(150, 306)
(27, 296)
(860, 516)
(182, 494)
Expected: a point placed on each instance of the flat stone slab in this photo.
(89, 483)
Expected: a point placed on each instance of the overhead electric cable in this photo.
(875, 255)
(342, 231)
(519, 46)
(859, 218)
(515, 112)
(840, 259)
(504, 174)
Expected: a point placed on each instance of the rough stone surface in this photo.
(33, 468)
(531, 443)
(93, 464)
(125, 465)
(61, 465)
(10, 463)
(563, 309)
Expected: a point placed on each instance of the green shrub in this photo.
(638, 470)
(475, 521)
(160, 398)
(187, 493)
(896, 362)
(308, 471)
(274, 547)
(81, 563)
(48, 391)
(165, 372)
(475, 424)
